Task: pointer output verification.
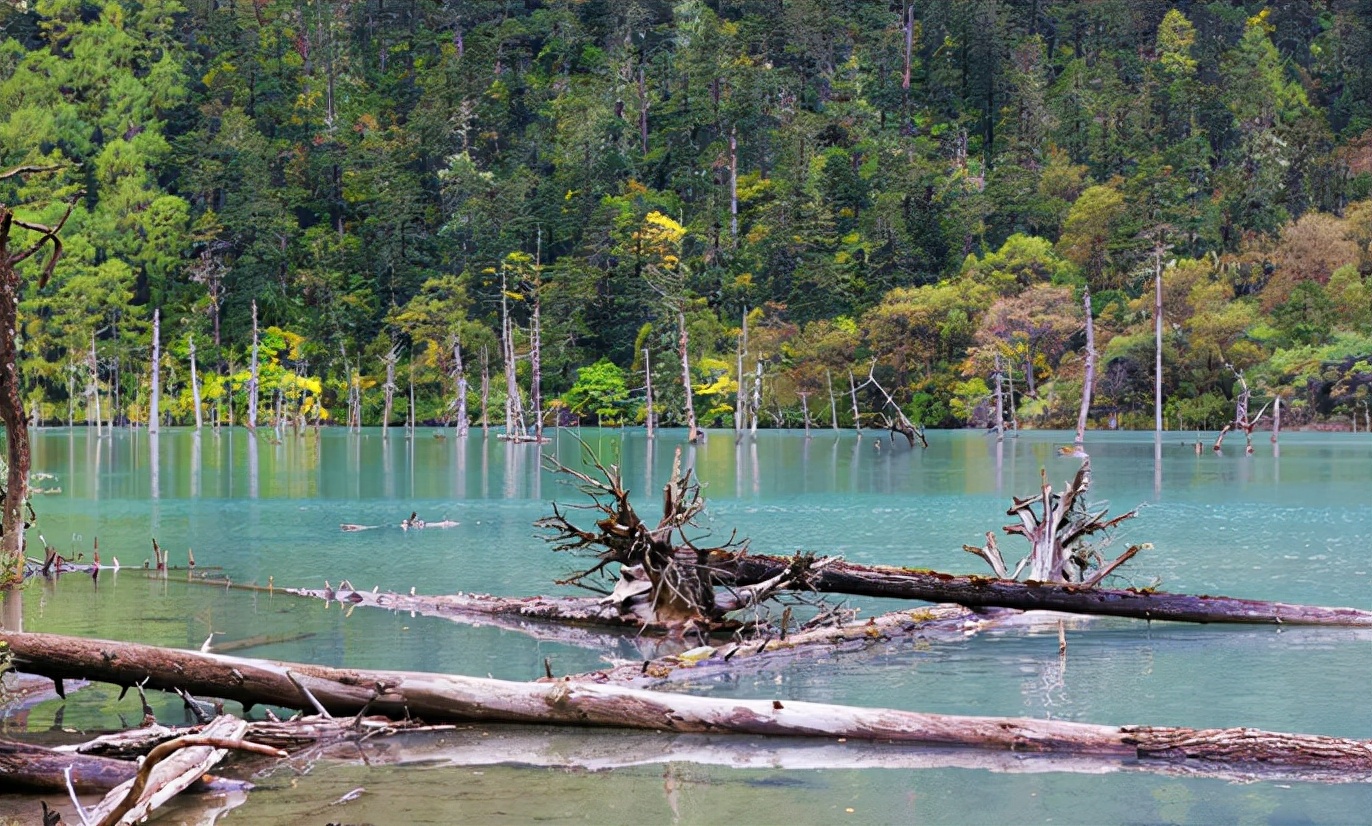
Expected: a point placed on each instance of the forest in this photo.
(376, 207)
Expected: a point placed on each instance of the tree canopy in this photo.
(917, 187)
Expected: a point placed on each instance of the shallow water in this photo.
(1292, 526)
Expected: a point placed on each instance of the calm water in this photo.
(1293, 527)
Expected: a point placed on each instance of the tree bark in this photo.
(683, 347)
(30, 768)
(1157, 343)
(648, 384)
(195, 383)
(154, 404)
(978, 592)
(460, 375)
(1089, 379)
(252, 374)
(389, 387)
(444, 697)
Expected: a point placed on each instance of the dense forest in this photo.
(364, 196)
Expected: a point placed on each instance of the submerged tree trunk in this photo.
(443, 697)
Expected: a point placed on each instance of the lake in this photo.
(1291, 525)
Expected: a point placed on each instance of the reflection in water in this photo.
(195, 465)
(1242, 530)
(1157, 466)
(252, 465)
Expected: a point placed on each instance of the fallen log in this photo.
(28, 768)
(451, 698)
(171, 768)
(983, 592)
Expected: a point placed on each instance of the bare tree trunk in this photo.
(805, 412)
(514, 412)
(1010, 384)
(1089, 380)
(889, 582)
(459, 372)
(1276, 419)
(909, 45)
(642, 109)
(733, 184)
(756, 404)
(742, 382)
(852, 391)
(833, 401)
(154, 406)
(1157, 345)
(693, 433)
(391, 357)
(94, 363)
(12, 522)
(195, 383)
(648, 383)
(1000, 404)
(252, 373)
(16, 496)
(442, 697)
(536, 344)
(485, 392)
(410, 413)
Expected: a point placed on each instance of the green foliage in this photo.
(600, 390)
(619, 165)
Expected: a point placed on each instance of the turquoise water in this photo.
(1292, 525)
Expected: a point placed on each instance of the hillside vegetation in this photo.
(912, 189)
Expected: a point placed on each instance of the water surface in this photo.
(1291, 525)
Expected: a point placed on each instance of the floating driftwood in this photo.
(411, 524)
(442, 697)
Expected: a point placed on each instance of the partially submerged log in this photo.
(437, 697)
(979, 592)
(29, 768)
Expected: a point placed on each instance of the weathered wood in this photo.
(977, 592)
(172, 767)
(29, 768)
(442, 697)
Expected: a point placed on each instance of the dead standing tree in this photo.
(1241, 419)
(16, 492)
(1057, 533)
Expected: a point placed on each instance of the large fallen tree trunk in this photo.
(889, 582)
(439, 697)
(978, 592)
(29, 768)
